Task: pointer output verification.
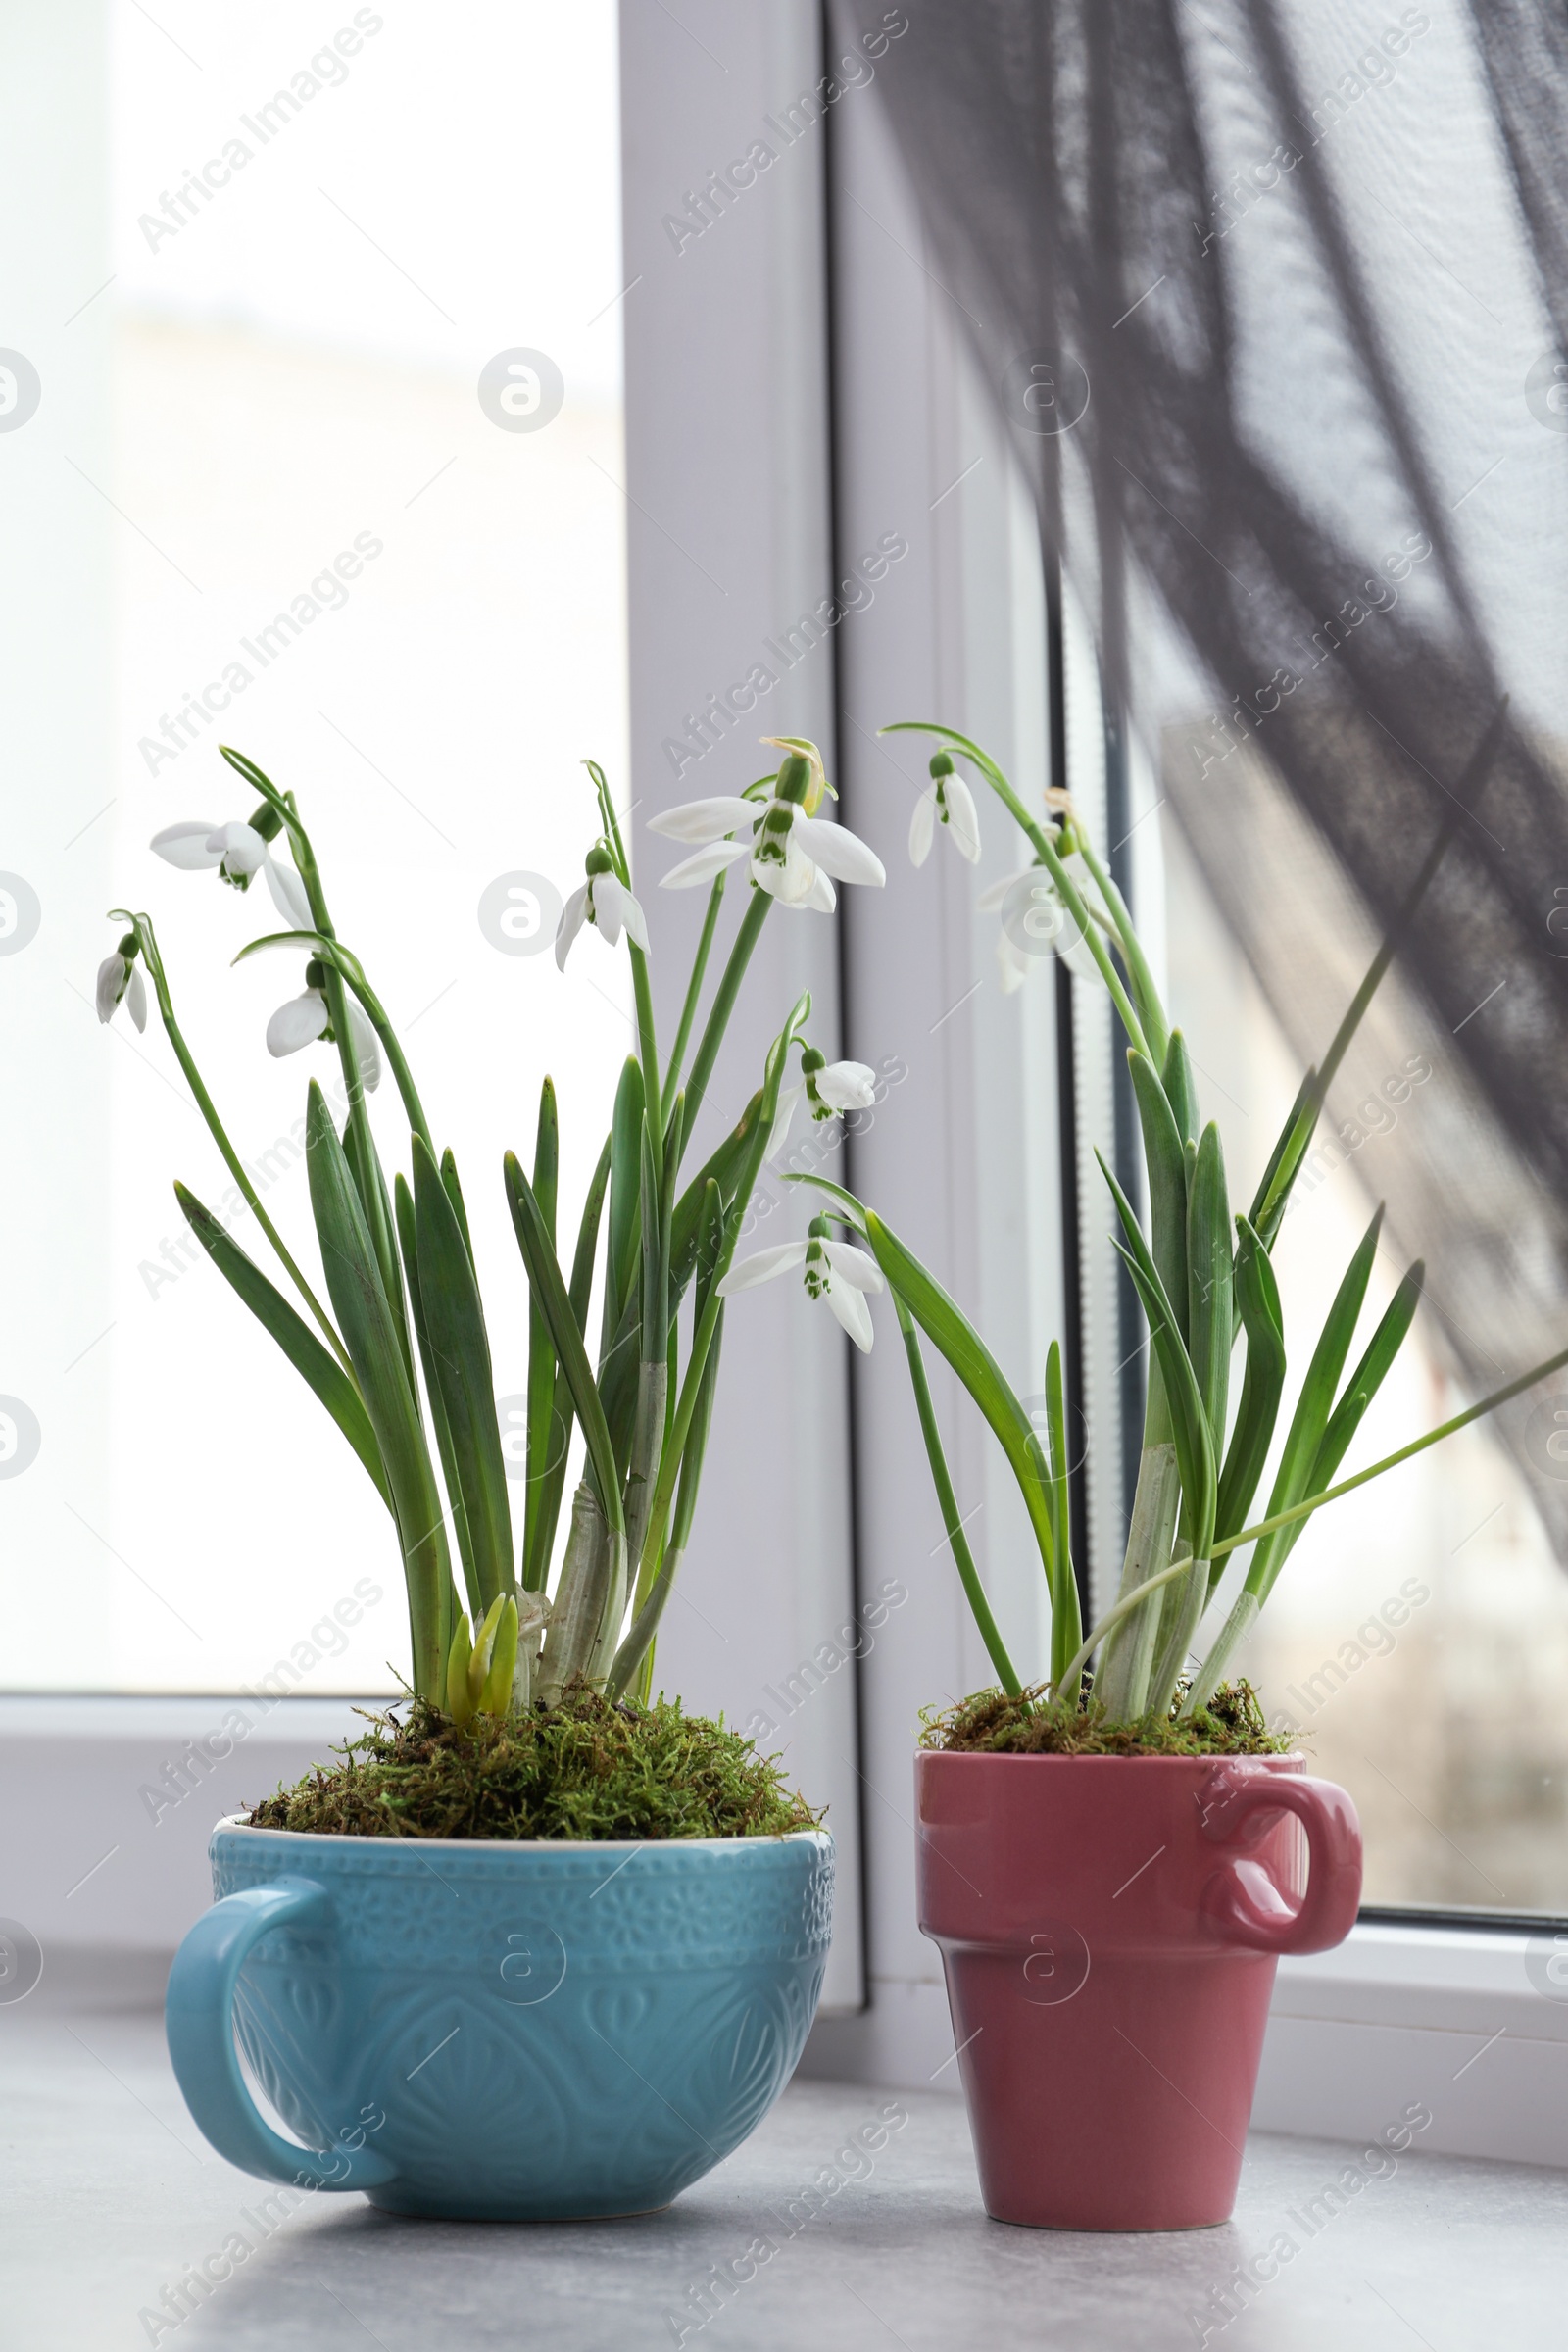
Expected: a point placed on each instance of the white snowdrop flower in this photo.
(794, 855)
(119, 982)
(829, 1087)
(304, 1018)
(947, 800)
(1035, 925)
(605, 902)
(238, 852)
(833, 1270)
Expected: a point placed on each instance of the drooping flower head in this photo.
(829, 1088)
(239, 851)
(948, 800)
(602, 900)
(305, 1018)
(833, 1270)
(119, 982)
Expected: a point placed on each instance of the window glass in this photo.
(325, 462)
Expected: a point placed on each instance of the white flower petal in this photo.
(762, 1267)
(616, 909)
(604, 897)
(707, 821)
(297, 1023)
(852, 1313)
(366, 1045)
(822, 898)
(240, 846)
(854, 1266)
(962, 822)
(704, 865)
(847, 1085)
(838, 850)
(573, 915)
(136, 997)
(185, 845)
(288, 894)
(922, 826)
(991, 898)
(788, 1097)
(1012, 968)
(111, 980)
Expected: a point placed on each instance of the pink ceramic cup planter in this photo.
(1110, 1928)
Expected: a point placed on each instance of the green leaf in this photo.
(1066, 1619)
(1195, 1447)
(951, 1333)
(495, 1693)
(1309, 1423)
(460, 1348)
(1359, 1389)
(1180, 1089)
(544, 1276)
(1258, 1295)
(458, 1699)
(322, 1371)
(723, 1169)
(541, 1355)
(359, 1146)
(1211, 1317)
(625, 1194)
(1165, 1160)
(453, 1193)
(408, 1242)
(371, 1335)
(553, 1476)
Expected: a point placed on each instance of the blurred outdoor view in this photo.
(263, 502)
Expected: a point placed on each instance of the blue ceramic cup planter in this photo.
(486, 2031)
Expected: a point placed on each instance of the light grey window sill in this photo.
(111, 2197)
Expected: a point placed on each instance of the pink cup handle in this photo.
(1243, 1900)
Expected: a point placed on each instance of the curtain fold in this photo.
(1272, 297)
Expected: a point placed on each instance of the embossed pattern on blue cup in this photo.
(499, 2030)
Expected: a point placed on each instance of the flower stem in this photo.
(154, 962)
(724, 1005)
(951, 1519)
(688, 1011)
(1041, 842)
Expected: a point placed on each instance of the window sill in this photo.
(1451, 2017)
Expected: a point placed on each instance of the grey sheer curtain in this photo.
(1273, 295)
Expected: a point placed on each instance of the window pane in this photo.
(325, 465)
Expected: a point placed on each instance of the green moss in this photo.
(990, 1722)
(585, 1768)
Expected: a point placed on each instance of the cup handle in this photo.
(199, 2019)
(1243, 1900)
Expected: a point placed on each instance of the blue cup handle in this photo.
(199, 2018)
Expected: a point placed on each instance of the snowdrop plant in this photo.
(1203, 1275)
(399, 1353)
